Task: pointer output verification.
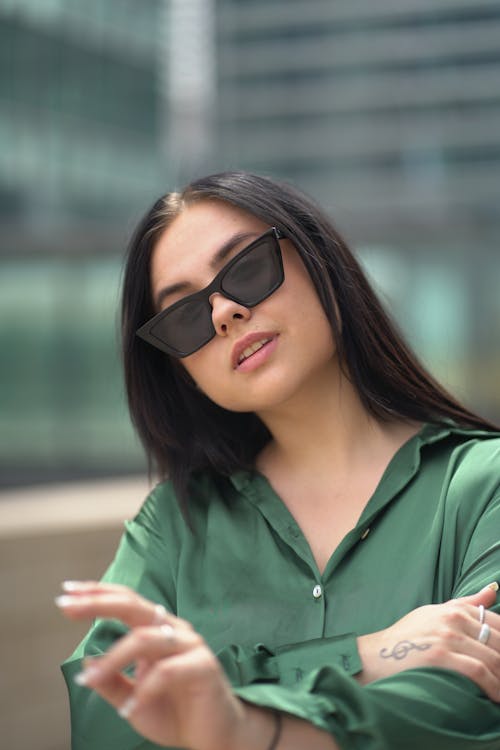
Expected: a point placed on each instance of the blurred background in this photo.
(387, 112)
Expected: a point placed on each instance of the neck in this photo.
(328, 429)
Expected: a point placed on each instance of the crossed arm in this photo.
(179, 696)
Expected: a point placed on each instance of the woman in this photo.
(314, 573)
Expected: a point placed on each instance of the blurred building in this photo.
(81, 117)
(387, 112)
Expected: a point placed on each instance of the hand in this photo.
(438, 635)
(178, 694)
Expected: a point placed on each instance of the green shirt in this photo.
(285, 634)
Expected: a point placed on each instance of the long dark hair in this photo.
(181, 429)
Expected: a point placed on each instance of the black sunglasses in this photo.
(249, 278)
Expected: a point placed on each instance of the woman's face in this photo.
(298, 352)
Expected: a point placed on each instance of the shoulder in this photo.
(163, 509)
(475, 461)
(470, 470)
(462, 448)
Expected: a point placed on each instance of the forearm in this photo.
(258, 728)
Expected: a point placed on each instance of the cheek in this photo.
(314, 329)
(204, 369)
(309, 313)
(308, 310)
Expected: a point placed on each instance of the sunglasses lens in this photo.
(255, 275)
(249, 279)
(186, 328)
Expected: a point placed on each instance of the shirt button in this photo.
(317, 592)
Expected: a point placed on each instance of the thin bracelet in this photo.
(277, 731)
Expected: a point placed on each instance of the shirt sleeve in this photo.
(142, 563)
(433, 708)
(287, 664)
(414, 709)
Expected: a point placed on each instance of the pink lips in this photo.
(256, 358)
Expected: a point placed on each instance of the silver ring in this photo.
(484, 633)
(166, 630)
(160, 615)
(481, 613)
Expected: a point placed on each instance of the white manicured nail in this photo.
(126, 708)
(493, 586)
(72, 585)
(64, 601)
(87, 675)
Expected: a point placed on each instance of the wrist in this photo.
(259, 730)
(256, 729)
(368, 647)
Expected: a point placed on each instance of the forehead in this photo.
(194, 237)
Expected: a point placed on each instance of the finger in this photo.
(170, 677)
(462, 621)
(486, 653)
(493, 620)
(121, 604)
(486, 597)
(479, 672)
(471, 624)
(460, 635)
(116, 690)
(142, 667)
(141, 644)
(89, 586)
(489, 649)
(132, 610)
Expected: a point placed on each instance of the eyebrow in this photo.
(214, 265)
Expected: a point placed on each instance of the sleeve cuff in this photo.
(297, 660)
(289, 664)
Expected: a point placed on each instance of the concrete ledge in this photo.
(52, 508)
(48, 535)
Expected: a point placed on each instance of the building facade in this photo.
(388, 113)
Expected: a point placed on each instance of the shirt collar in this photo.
(407, 458)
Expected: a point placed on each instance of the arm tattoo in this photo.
(400, 650)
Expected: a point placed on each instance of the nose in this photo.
(225, 311)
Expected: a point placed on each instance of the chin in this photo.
(258, 404)
(244, 403)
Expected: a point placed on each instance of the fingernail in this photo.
(126, 708)
(72, 585)
(493, 586)
(88, 675)
(64, 601)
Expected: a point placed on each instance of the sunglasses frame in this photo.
(145, 331)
